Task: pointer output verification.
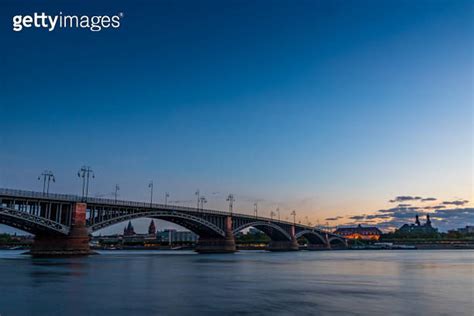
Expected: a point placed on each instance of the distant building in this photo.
(466, 230)
(152, 228)
(359, 232)
(174, 236)
(129, 230)
(417, 228)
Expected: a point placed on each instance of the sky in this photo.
(330, 108)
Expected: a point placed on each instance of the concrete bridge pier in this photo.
(328, 243)
(286, 245)
(218, 245)
(76, 243)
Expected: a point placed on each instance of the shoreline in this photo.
(417, 247)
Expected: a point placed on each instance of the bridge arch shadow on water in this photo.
(63, 223)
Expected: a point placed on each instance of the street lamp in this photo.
(294, 217)
(85, 173)
(231, 200)
(150, 185)
(278, 211)
(272, 214)
(255, 208)
(203, 200)
(197, 194)
(167, 195)
(117, 188)
(47, 177)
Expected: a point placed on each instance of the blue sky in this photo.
(328, 107)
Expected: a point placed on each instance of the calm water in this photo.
(246, 283)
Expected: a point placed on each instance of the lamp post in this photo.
(278, 212)
(117, 188)
(231, 200)
(167, 195)
(197, 194)
(203, 200)
(150, 185)
(255, 208)
(85, 173)
(271, 215)
(47, 176)
(294, 217)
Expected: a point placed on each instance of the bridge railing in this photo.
(13, 193)
(39, 195)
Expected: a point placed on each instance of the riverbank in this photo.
(436, 244)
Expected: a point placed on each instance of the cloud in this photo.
(334, 218)
(436, 207)
(357, 217)
(453, 218)
(404, 198)
(378, 216)
(443, 219)
(402, 207)
(457, 203)
(364, 222)
(454, 213)
(392, 218)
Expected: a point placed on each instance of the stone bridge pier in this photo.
(320, 246)
(216, 244)
(285, 245)
(76, 243)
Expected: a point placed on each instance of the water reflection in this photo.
(183, 283)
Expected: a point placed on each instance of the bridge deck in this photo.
(69, 198)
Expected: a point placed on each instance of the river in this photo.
(428, 282)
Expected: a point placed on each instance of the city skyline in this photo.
(329, 109)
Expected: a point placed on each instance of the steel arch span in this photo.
(272, 230)
(312, 236)
(197, 225)
(336, 239)
(30, 223)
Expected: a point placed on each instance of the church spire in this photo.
(129, 230)
(152, 228)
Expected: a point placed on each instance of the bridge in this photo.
(62, 224)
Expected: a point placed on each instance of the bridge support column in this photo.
(218, 245)
(328, 243)
(76, 243)
(286, 245)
